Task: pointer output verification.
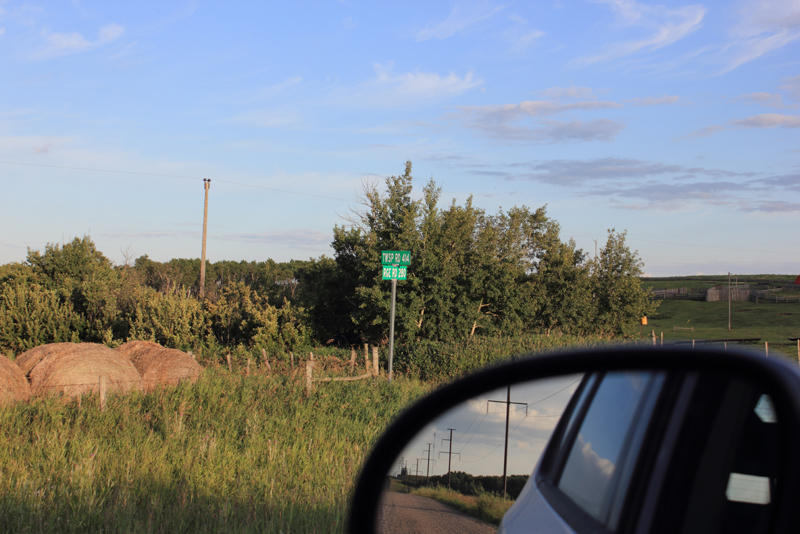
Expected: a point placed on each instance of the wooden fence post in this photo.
(352, 360)
(291, 358)
(103, 388)
(653, 334)
(766, 348)
(230, 369)
(309, 377)
(366, 357)
(248, 366)
(662, 338)
(375, 361)
(266, 361)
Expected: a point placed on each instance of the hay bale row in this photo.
(158, 365)
(75, 368)
(13, 384)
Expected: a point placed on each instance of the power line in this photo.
(242, 184)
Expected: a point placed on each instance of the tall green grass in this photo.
(432, 360)
(485, 506)
(228, 454)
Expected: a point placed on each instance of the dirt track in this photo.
(411, 514)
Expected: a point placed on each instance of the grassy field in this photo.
(773, 323)
(229, 454)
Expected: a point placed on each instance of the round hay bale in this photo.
(13, 384)
(162, 366)
(78, 371)
(132, 348)
(29, 359)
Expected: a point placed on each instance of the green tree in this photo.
(84, 277)
(618, 296)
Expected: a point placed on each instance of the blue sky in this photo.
(677, 122)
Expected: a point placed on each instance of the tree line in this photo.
(472, 274)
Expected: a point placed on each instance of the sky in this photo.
(479, 430)
(676, 122)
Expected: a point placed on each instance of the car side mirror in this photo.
(631, 440)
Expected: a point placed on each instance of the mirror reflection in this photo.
(468, 450)
(591, 442)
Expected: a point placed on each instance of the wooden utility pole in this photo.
(449, 454)
(428, 475)
(729, 302)
(206, 186)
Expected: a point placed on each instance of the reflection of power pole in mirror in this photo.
(449, 454)
(416, 467)
(206, 186)
(428, 475)
(505, 451)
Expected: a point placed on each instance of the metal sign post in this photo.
(394, 264)
(391, 328)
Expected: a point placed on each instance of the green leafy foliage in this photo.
(617, 291)
(31, 315)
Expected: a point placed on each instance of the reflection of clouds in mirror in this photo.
(588, 477)
(479, 430)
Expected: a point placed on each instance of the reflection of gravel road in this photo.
(402, 513)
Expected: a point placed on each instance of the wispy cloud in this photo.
(765, 99)
(389, 89)
(652, 101)
(768, 120)
(665, 26)
(776, 206)
(762, 121)
(296, 236)
(462, 18)
(61, 44)
(566, 93)
(529, 120)
(582, 172)
(791, 85)
(765, 25)
(633, 184)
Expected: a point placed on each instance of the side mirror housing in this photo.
(694, 446)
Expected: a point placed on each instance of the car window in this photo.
(726, 462)
(607, 441)
(575, 408)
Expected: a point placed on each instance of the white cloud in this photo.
(763, 121)
(572, 91)
(530, 108)
(388, 89)
(2, 31)
(527, 120)
(652, 101)
(768, 120)
(792, 86)
(462, 17)
(765, 25)
(61, 44)
(295, 236)
(766, 99)
(665, 26)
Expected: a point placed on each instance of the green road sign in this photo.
(396, 257)
(393, 272)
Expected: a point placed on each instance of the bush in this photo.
(31, 315)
